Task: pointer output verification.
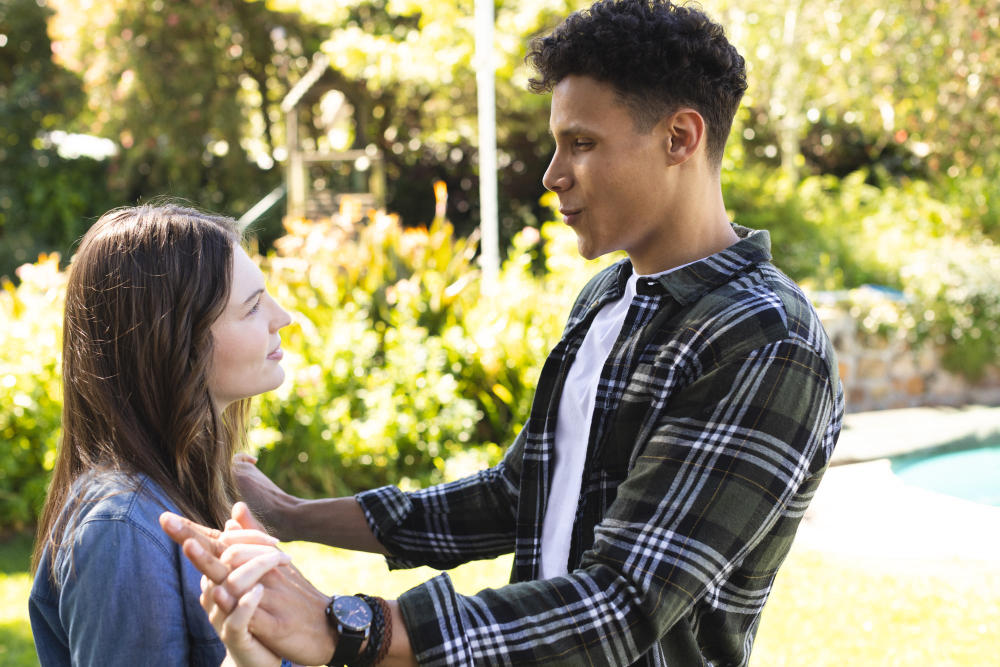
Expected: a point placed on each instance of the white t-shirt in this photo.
(576, 409)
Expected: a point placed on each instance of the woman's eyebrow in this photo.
(249, 298)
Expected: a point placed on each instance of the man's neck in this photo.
(693, 232)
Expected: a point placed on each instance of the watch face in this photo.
(352, 612)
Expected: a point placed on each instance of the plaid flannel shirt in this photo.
(716, 415)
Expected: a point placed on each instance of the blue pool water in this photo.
(973, 474)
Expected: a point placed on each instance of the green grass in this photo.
(823, 610)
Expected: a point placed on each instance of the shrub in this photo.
(30, 387)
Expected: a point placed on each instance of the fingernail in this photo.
(285, 558)
(172, 523)
(196, 549)
(258, 590)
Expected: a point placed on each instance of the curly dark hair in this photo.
(658, 56)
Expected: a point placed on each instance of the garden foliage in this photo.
(404, 366)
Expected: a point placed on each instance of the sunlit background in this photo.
(346, 135)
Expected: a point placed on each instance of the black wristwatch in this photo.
(352, 617)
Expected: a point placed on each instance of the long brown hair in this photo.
(144, 289)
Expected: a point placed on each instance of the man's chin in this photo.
(589, 251)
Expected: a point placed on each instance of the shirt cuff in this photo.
(434, 623)
(386, 508)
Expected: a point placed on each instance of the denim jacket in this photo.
(125, 593)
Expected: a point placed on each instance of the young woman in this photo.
(168, 332)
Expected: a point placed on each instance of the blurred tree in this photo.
(409, 75)
(44, 198)
(910, 83)
(190, 92)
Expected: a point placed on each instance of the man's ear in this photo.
(683, 134)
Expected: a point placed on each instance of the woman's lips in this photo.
(276, 355)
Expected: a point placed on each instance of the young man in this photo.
(679, 428)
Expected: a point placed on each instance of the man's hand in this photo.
(264, 497)
(242, 648)
(290, 619)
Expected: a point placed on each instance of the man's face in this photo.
(612, 182)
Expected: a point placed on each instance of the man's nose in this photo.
(556, 179)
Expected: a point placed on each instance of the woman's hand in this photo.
(263, 495)
(242, 648)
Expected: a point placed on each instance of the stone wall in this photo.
(881, 374)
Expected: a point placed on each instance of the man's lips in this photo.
(570, 215)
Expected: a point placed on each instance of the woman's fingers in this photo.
(247, 458)
(243, 516)
(236, 626)
(241, 535)
(233, 524)
(238, 554)
(207, 599)
(244, 577)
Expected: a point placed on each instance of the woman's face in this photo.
(247, 347)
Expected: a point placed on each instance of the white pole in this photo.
(486, 89)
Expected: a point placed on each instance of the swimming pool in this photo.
(973, 474)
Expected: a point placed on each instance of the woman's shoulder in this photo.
(132, 498)
(105, 510)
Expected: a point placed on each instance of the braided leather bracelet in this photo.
(386, 639)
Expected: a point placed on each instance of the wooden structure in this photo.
(304, 200)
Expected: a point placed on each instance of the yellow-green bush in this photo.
(30, 387)
(405, 367)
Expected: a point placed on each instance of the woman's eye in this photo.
(255, 308)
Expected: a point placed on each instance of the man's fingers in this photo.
(246, 576)
(241, 535)
(180, 529)
(207, 564)
(264, 624)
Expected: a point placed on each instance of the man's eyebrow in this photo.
(249, 298)
(572, 129)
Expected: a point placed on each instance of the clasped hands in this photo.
(259, 603)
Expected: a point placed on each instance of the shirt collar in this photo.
(689, 283)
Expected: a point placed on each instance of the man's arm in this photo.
(338, 522)
(720, 467)
(441, 526)
(723, 463)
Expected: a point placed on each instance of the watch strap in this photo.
(348, 648)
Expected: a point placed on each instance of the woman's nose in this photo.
(282, 320)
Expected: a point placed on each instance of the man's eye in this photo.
(583, 144)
